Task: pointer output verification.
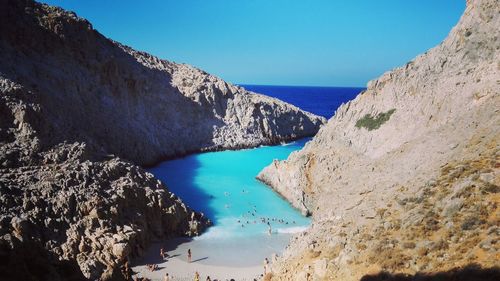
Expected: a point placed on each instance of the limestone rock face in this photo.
(133, 104)
(86, 209)
(78, 112)
(400, 140)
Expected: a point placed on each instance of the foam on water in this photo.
(296, 229)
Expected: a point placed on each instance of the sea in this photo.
(322, 101)
(250, 220)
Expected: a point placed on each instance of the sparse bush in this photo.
(361, 246)
(409, 245)
(440, 245)
(490, 188)
(374, 122)
(469, 223)
(422, 251)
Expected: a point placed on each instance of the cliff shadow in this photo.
(98, 91)
(173, 248)
(29, 260)
(179, 176)
(471, 272)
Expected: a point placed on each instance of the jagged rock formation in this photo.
(73, 105)
(405, 178)
(86, 209)
(135, 105)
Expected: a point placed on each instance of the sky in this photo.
(277, 42)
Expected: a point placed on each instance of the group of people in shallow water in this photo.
(253, 214)
(263, 220)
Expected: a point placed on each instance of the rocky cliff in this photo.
(78, 112)
(133, 104)
(405, 178)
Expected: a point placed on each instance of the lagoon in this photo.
(222, 185)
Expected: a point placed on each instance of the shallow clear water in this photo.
(223, 186)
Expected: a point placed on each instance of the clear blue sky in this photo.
(277, 42)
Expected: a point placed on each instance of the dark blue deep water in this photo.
(321, 101)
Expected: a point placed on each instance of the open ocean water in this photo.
(321, 101)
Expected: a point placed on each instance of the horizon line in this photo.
(310, 86)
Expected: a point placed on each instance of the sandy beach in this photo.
(242, 209)
(221, 260)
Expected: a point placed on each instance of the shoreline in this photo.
(275, 142)
(213, 265)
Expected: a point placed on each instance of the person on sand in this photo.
(166, 277)
(126, 270)
(196, 276)
(208, 279)
(266, 264)
(189, 255)
(162, 253)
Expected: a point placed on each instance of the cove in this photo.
(222, 185)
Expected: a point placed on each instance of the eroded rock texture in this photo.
(405, 178)
(78, 112)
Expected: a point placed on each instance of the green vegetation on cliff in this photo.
(371, 123)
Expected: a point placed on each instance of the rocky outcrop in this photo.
(404, 178)
(133, 104)
(72, 212)
(78, 112)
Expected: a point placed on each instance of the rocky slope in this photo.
(92, 212)
(78, 112)
(135, 105)
(404, 178)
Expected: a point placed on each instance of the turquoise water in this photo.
(222, 185)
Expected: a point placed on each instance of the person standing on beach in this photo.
(166, 278)
(162, 253)
(266, 264)
(126, 270)
(196, 276)
(189, 255)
